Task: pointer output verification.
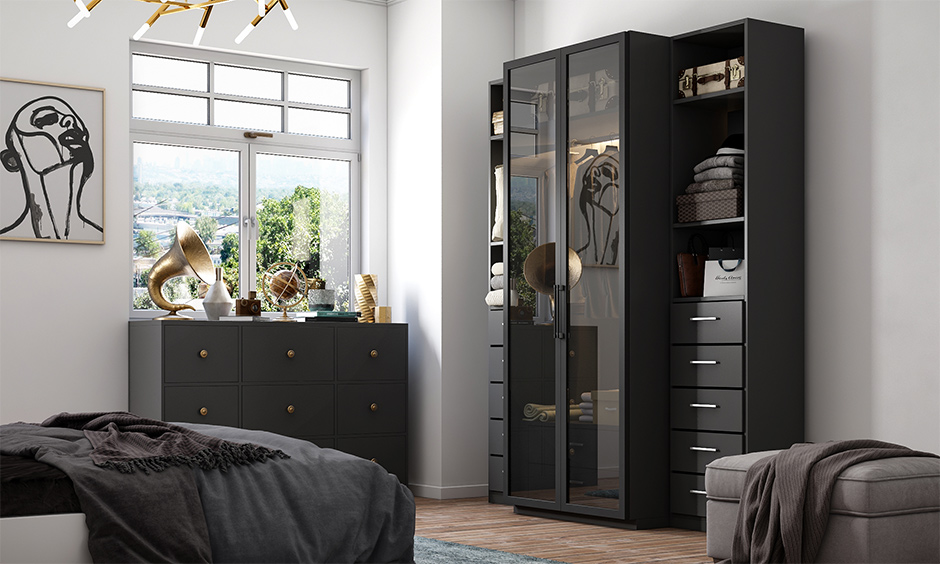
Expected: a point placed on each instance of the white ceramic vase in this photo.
(218, 302)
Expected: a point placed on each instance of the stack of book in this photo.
(325, 315)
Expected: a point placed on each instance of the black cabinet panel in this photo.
(687, 494)
(372, 352)
(390, 452)
(497, 474)
(287, 354)
(708, 410)
(496, 436)
(212, 405)
(708, 322)
(371, 408)
(198, 354)
(496, 364)
(293, 410)
(494, 327)
(496, 401)
(691, 451)
(707, 366)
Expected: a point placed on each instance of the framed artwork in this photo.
(52, 179)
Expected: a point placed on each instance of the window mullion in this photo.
(211, 93)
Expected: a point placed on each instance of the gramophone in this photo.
(539, 270)
(187, 257)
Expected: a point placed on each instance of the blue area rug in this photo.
(432, 551)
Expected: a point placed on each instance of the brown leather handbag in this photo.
(692, 268)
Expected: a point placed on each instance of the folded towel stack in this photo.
(587, 408)
(723, 171)
(495, 297)
(543, 412)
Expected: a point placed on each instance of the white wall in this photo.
(63, 342)
(442, 54)
(872, 196)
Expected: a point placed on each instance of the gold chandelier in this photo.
(168, 7)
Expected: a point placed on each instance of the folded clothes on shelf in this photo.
(736, 173)
(545, 412)
(497, 282)
(497, 269)
(494, 298)
(735, 161)
(713, 185)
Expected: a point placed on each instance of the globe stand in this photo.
(284, 288)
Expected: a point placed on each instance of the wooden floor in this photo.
(479, 523)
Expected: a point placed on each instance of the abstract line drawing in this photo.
(48, 156)
(598, 205)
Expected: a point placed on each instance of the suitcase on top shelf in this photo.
(715, 77)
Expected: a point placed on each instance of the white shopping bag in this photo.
(725, 277)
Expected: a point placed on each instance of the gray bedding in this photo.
(320, 505)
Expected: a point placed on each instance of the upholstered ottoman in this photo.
(881, 511)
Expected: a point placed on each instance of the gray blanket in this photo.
(320, 505)
(785, 502)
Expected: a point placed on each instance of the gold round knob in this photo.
(571, 354)
(374, 407)
(374, 353)
(290, 409)
(376, 460)
(203, 411)
(203, 353)
(571, 451)
(290, 353)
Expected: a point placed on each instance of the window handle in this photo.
(256, 134)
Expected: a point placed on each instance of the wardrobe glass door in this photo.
(532, 195)
(595, 338)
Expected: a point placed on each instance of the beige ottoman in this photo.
(882, 510)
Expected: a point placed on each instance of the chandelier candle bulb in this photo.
(198, 39)
(241, 36)
(140, 32)
(290, 19)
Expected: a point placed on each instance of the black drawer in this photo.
(292, 410)
(496, 401)
(707, 410)
(390, 452)
(373, 351)
(687, 494)
(371, 408)
(200, 353)
(497, 437)
(495, 326)
(707, 366)
(496, 364)
(287, 352)
(691, 451)
(708, 323)
(212, 405)
(497, 474)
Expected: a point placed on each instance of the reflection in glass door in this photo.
(530, 339)
(594, 222)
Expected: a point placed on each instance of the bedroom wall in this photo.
(63, 328)
(438, 74)
(872, 196)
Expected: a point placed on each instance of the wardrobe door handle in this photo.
(703, 449)
(703, 362)
(704, 405)
(704, 318)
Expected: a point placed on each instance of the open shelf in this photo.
(710, 222)
(731, 98)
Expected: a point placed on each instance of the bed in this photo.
(295, 503)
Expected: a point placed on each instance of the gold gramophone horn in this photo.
(187, 257)
(539, 270)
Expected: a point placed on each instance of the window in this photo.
(259, 156)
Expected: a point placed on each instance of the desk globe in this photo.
(284, 285)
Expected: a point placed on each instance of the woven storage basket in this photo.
(719, 204)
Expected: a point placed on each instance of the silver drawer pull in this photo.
(703, 362)
(704, 405)
(703, 449)
(698, 492)
(704, 318)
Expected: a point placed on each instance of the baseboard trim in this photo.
(449, 492)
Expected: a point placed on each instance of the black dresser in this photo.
(338, 385)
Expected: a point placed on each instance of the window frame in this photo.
(225, 138)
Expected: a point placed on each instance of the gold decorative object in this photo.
(167, 7)
(539, 270)
(367, 294)
(383, 314)
(188, 256)
(284, 288)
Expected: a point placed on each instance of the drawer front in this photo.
(188, 403)
(708, 410)
(287, 352)
(496, 364)
(372, 408)
(708, 366)
(687, 494)
(495, 327)
(708, 323)
(496, 401)
(497, 475)
(497, 437)
(373, 352)
(292, 410)
(390, 452)
(691, 451)
(200, 353)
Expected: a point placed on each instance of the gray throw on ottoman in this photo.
(885, 510)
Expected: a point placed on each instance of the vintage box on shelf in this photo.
(498, 123)
(715, 77)
(719, 204)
